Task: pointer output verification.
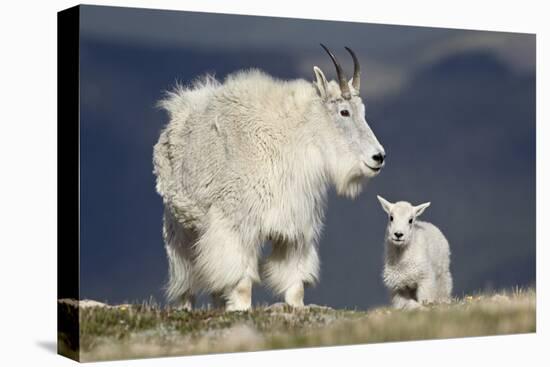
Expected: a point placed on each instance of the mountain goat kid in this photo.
(248, 161)
(417, 257)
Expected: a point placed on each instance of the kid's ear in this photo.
(320, 82)
(419, 209)
(386, 205)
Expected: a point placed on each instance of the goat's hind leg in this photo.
(445, 287)
(178, 241)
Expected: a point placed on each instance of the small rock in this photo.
(85, 303)
(313, 306)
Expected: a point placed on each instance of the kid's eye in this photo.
(344, 113)
(410, 221)
(391, 218)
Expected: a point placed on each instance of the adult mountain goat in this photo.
(248, 161)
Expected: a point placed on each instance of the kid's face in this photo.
(401, 218)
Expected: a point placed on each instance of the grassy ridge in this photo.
(134, 331)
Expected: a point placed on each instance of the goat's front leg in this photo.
(402, 299)
(240, 297)
(294, 296)
(289, 268)
(226, 265)
(427, 291)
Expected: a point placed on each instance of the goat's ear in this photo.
(419, 209)
(386, 205)
(321, 82)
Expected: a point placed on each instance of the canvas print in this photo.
(243, 183)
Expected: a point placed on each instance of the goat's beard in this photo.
(353, 184)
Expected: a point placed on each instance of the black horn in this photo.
(342, 80)
(356, 82)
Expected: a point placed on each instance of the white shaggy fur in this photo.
(417, 257)
(248, 161)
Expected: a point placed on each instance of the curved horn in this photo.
(356, 82)
(342, 80)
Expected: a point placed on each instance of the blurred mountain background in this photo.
(455, 110)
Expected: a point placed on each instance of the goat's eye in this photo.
(410, 221)
(344, 113)
(391, 218)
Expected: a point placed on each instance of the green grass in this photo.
(147, 330)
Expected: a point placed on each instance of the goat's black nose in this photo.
(379, 158)
(398, 234)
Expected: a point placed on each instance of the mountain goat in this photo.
(417, 258)
(248, 161)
